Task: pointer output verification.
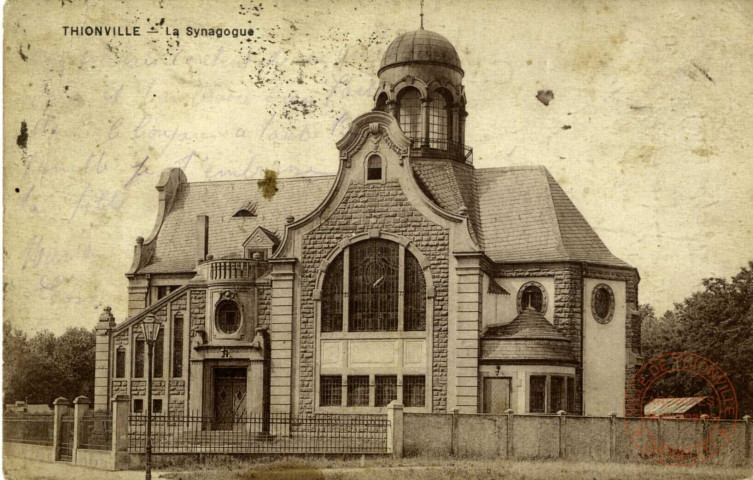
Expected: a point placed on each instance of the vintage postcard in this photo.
(388, 239)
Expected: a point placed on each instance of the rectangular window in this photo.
(414, 390)
(330, 391)
(138, 365)
(358, 391)
(162, 292)
(570, 395)
(178, 346)
(138, 405)
(385, 391)
(557, 396)
(415, 295)
(159, 351)
(537, 394)
(120, 359)
(157, 405)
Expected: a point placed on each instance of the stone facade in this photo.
(381, 206)
(263, 306)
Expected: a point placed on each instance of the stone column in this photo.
(464, 337)
(121, 407)
(281, 335)
(103, 357)
(80, 409)
(61, 406)
(425, 121)
(395, 429)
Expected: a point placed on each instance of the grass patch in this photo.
(422, 468)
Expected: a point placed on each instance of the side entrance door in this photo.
(229, 397)
(496, 395)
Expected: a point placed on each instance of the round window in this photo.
(602, 303)
(228, 316)
(532, 295)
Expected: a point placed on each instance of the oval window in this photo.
(602, 303)
(228, 316)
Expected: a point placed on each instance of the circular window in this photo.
(532, 295)
(602, 303)
(228, 316)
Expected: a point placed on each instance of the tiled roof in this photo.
(421, 46)
(529, 337)
(176, 243)
(518, 214)
(673, 405)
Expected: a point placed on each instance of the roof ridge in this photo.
(240, 180)
(550, 201)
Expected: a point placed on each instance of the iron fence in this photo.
(34, 429)
(95, 432)
(275, 433)
(65, 440)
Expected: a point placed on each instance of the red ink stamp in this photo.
(680, 431)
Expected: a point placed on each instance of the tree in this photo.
(716, 323)
(45, 367)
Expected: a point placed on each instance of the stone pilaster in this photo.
(103, 357)
(281, 335)
(465, 335)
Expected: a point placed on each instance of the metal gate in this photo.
(65, 439)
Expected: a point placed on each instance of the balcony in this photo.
(446, 149)
(232, 270)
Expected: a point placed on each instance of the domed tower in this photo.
(421, 85)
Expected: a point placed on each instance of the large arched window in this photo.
(366, 297)
(439, 119)
(409, 112)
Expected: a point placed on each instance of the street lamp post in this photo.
(151, 327)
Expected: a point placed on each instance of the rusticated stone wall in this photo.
(385, 207)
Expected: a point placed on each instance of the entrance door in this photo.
(496, 395)
(229, 397)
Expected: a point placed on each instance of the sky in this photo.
(649, 130)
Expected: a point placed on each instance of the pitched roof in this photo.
(175, 250)
(518, 214)
(673, 405)
(529, 337)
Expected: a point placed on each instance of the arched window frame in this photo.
(404, 246)
(368, 166)
(522, 289)
(410, 115)
(440, 119)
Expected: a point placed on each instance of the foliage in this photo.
(44, 367)
(716, 323)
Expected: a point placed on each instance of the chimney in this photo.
(202, 237)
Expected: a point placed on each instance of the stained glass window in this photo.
(373, 293)
(414, 295)
(332, 297)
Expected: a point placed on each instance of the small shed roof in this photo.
(670, 406)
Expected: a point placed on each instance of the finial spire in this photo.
(422, 14)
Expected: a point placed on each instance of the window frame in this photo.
(120, 362)
(217, 311)
(567, 395)
(405, 293)
(139, 358)
(412, 118)
(178, 341)
(544, 299)
(603, 287)
(382, 168)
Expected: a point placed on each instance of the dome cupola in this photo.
(421, 85)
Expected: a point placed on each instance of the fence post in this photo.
(562, 444)
(120, 410)
(395, 429)
(61, 408)
(80, 408)
(704, 430)
(454, 432)
(510, 436)
(612, 437)
(746, 419)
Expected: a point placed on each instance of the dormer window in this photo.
(374, 168)
(248, 210)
